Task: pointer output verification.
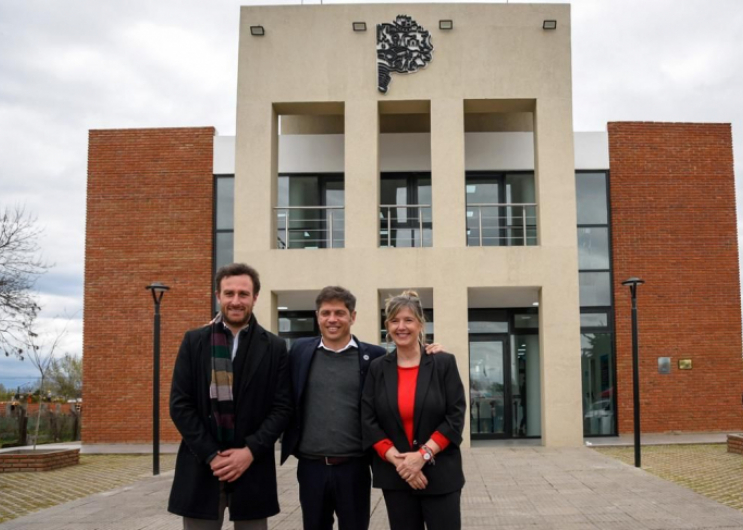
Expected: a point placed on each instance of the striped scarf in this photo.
(220, 389)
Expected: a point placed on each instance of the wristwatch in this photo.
(427, 454)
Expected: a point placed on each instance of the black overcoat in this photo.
(439, 406)
(263, 407)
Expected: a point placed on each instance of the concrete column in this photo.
(447, 173)
(554, 163)
(559, 311)
(266, 311)
(367, 327)
(559, 345)
(256, 178)
(361, 154)
(450, 330)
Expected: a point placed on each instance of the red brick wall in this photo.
(14, 462)
(735, 443)
(149, 218)
(674, 225)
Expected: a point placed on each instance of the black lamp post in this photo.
(158, 290)
(632, 283)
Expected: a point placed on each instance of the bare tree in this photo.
(40, 351)
(20, 266)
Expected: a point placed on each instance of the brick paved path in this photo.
(707, 469)
(23, 493)
(515, 488)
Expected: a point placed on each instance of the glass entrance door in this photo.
(490, 412)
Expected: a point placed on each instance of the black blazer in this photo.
(263, 409)
(300, 360)
(439, 406)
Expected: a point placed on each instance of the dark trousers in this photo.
(190, 523)
(344, 489)
(409, 511)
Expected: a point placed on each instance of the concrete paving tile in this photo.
(572, 526)
(556, 510)
(669, 523)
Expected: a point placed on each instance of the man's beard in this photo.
(235, 323)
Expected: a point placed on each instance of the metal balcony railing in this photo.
(501, 224)
(405, 225)
(310, 226)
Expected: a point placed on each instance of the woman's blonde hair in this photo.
(412, 301)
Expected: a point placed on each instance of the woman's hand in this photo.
(391, 455)
(409, 464)
(418, 481)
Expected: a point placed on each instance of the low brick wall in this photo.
(735, 443)
(41, 460)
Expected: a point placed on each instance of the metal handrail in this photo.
(309, 208)
(524, 217)
(287, 229)
(389, 219)
(478, 204)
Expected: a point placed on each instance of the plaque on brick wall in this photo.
(684, 364)
(403, 47)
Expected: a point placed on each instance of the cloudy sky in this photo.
(67, 67)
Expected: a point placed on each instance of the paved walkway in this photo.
(507, 488)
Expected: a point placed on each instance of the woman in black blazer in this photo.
(412, 413)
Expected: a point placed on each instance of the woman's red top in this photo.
(407, 379)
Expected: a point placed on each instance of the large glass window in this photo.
(597, 338)
(597, 367)
(487, 321)
(594, 320)
(489, 412)
(526, 398)
(591, 198)
(505, 389)
(500, 209)
(310, 211)
(595, 289)
(593, 248)
(225, 245)
(405, 215)
(225, 189)
(224, 219)
(295, 325)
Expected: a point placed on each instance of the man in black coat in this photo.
(230, 400)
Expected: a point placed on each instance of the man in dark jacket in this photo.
(230, 400)
(325, 433)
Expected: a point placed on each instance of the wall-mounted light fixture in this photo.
(359, 26)
(446, 24)
(257, 31)
(549, 24)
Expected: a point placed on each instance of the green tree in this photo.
(66, 376)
